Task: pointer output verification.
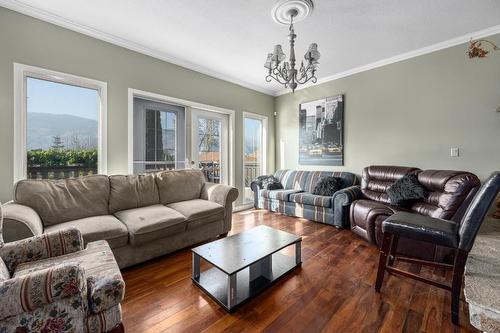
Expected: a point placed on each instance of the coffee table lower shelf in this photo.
(215, 283)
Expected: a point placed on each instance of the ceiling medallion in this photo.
(287, 12)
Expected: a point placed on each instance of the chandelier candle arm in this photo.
(284, 72)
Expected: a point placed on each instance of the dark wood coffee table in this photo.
(244, 264)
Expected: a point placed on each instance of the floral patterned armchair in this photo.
(51, 283)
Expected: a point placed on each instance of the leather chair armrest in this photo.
(342, 200)
(46, 286)
(20, 222)
(39, 247)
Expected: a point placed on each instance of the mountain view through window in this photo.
(62, 130)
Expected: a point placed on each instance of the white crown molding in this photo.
(86, 30)
(404, 56)
(83, 29)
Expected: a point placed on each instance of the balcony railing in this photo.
(211, 170)
(251, 170)
(60, 172)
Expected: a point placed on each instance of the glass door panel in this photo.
(159, 136)
(252, 154)
(209, 145)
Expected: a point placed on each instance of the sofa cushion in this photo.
(104, 280)
(179, 185)
(376, 179)
(104, 227)
(311, 199)
(447, 193)
(346, 179)
(283, 195)
(292, 179)
(63, 200)
(199, 212)
(146, 224)
(132, 191)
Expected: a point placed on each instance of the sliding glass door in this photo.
(159, 136)
(254, 151)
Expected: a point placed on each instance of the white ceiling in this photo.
(231, 38)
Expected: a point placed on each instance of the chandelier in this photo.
(284, 72)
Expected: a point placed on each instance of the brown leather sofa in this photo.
(448, 193)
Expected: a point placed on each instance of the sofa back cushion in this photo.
(446, 192)
(292, 179)
(63, 200)
(300, 180)
(179, 185)
(132, 191)
(376, 179)
(347, 179)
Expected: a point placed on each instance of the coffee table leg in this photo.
(263, 267)
(231, 291)
(298, 253)
(196, 266)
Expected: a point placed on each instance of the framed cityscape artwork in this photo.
(321, 133)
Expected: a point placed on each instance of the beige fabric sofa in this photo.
(141, 216)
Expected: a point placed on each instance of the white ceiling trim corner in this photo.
(401, 57)
(86, 30)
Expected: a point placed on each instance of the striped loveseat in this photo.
(296, 198)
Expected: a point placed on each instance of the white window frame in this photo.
(265, 121)
(136, 93)
(21, 72)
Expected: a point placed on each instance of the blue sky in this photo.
(252, 126)
(50, 97)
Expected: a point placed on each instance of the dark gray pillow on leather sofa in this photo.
(406, 190)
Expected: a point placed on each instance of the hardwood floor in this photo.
(332, 291)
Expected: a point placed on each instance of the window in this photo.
(159, 136)
(254, 151)
(59, 125)
(196, 135)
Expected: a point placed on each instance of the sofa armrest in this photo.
(20, 222)
(46, 286)
(39, 247)
(223, 195)
(256, 186)
(342, 200)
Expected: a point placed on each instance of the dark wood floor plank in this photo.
(332, 291)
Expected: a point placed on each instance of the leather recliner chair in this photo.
(448, 194)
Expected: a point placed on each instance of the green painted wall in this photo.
(410, 113)
(32, 42)
(407, 113)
